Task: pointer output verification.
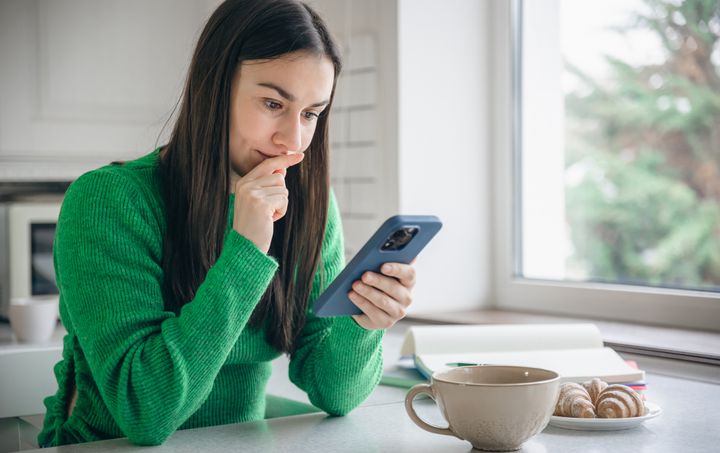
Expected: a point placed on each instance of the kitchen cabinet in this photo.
(86, 82)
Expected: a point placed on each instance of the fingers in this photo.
(405, 273)
(383, 301)
(383, 298)
(275, 180)
(388, 285)
(270, 172)
(269, 196)
(280, 212)
(270, 191)
(376, 318)
(272, 200)
(277, 201)
(277, 165)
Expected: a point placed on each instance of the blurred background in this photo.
(561, 142)
(570, 147)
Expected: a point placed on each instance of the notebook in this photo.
(575, 351)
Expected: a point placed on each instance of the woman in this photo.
(183, 273)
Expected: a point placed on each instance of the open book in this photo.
(574, 351)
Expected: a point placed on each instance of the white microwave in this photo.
(27, 233)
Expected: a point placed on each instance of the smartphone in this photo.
(398, 240)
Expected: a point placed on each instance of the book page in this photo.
(575, 365)
(499, 337)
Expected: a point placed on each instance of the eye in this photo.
(272, 105)
(312, 116)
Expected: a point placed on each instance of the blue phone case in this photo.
(334, 301)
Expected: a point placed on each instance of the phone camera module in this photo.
(399, 239)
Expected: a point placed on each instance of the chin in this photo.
(236, 170)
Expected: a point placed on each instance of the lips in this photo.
(265, 156)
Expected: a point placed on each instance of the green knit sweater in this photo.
(143, 369)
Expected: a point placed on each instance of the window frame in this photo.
(647, 305)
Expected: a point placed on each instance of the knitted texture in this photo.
(143, 368)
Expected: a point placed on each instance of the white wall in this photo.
(444, 146)
(363, 127)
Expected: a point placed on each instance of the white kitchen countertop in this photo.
(26, 373)
(8, 343)
(688, 423)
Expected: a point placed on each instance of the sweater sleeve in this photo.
(153, 368)
(337, 363)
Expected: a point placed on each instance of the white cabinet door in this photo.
(86, 82)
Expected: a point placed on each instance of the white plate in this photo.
(605, 424)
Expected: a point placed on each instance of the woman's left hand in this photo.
(383, 298)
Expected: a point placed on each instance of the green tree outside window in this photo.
(643, 150)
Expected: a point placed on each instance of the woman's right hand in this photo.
(261, 198)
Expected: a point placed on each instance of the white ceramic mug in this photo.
(495, 408)
(33, 319)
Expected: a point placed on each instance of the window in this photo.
(614, 205)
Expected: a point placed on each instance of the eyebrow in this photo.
(283, 93)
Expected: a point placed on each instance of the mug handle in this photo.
(410, 396)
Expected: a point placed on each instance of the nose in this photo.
(289, 134)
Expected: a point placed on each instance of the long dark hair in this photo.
(195, 166)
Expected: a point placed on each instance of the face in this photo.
(275, 106)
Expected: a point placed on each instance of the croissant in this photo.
(619, 401)
(594, 387)
(574, 401)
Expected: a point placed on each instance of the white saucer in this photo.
(605, 424)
